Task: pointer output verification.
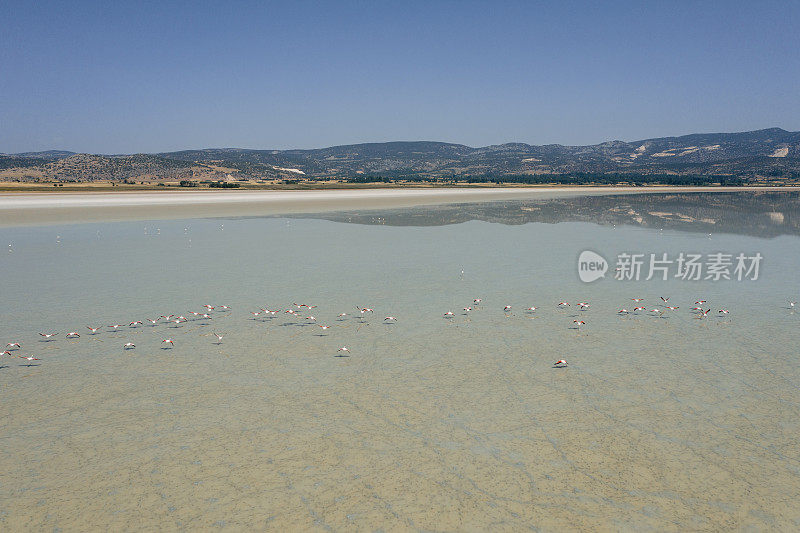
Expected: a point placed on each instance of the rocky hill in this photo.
(770, 154)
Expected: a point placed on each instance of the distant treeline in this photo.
(212, 184)
(11, 161)
(576, 178)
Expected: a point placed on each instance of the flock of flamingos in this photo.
(304, 313)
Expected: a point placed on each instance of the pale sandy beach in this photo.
(53, 208)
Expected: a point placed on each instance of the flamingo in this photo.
(638, 308)
(724, 311)
(530, 309)
(93, 330)
(343, 352)
(128, 346)
(209, 307)
(116, 326)
(224, 308)
(792, 304)
(206, 316)
(341, 315)
(476, 301)
(672, 308)
(324, 327)
(449, 314)
(48, 336)
(72, 335)
(153, 322)
(169, 341)
(14, 345)
(135, 323)
(390, 319)
(584, 305)
(623, 311)
(166, 317)
(28, 358)
(561, 363)
(506, 309)
(637, 300)
(218, 336)
(579, 322)
(699, 302)
(665, 300)
(562, 304)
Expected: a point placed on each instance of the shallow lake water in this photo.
(661, 420)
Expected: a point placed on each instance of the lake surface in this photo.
(661, 420)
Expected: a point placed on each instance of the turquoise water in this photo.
(660, 421)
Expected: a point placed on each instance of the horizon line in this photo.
(29, 153)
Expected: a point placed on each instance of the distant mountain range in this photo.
(764, 155)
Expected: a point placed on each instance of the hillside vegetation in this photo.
(763, 156)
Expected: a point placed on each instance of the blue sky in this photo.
(143, 77)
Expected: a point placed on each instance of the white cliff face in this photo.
(780, 152)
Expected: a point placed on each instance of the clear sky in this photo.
(123, 77)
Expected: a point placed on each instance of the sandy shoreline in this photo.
(54, 208)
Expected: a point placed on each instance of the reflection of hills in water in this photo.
(763, 214)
